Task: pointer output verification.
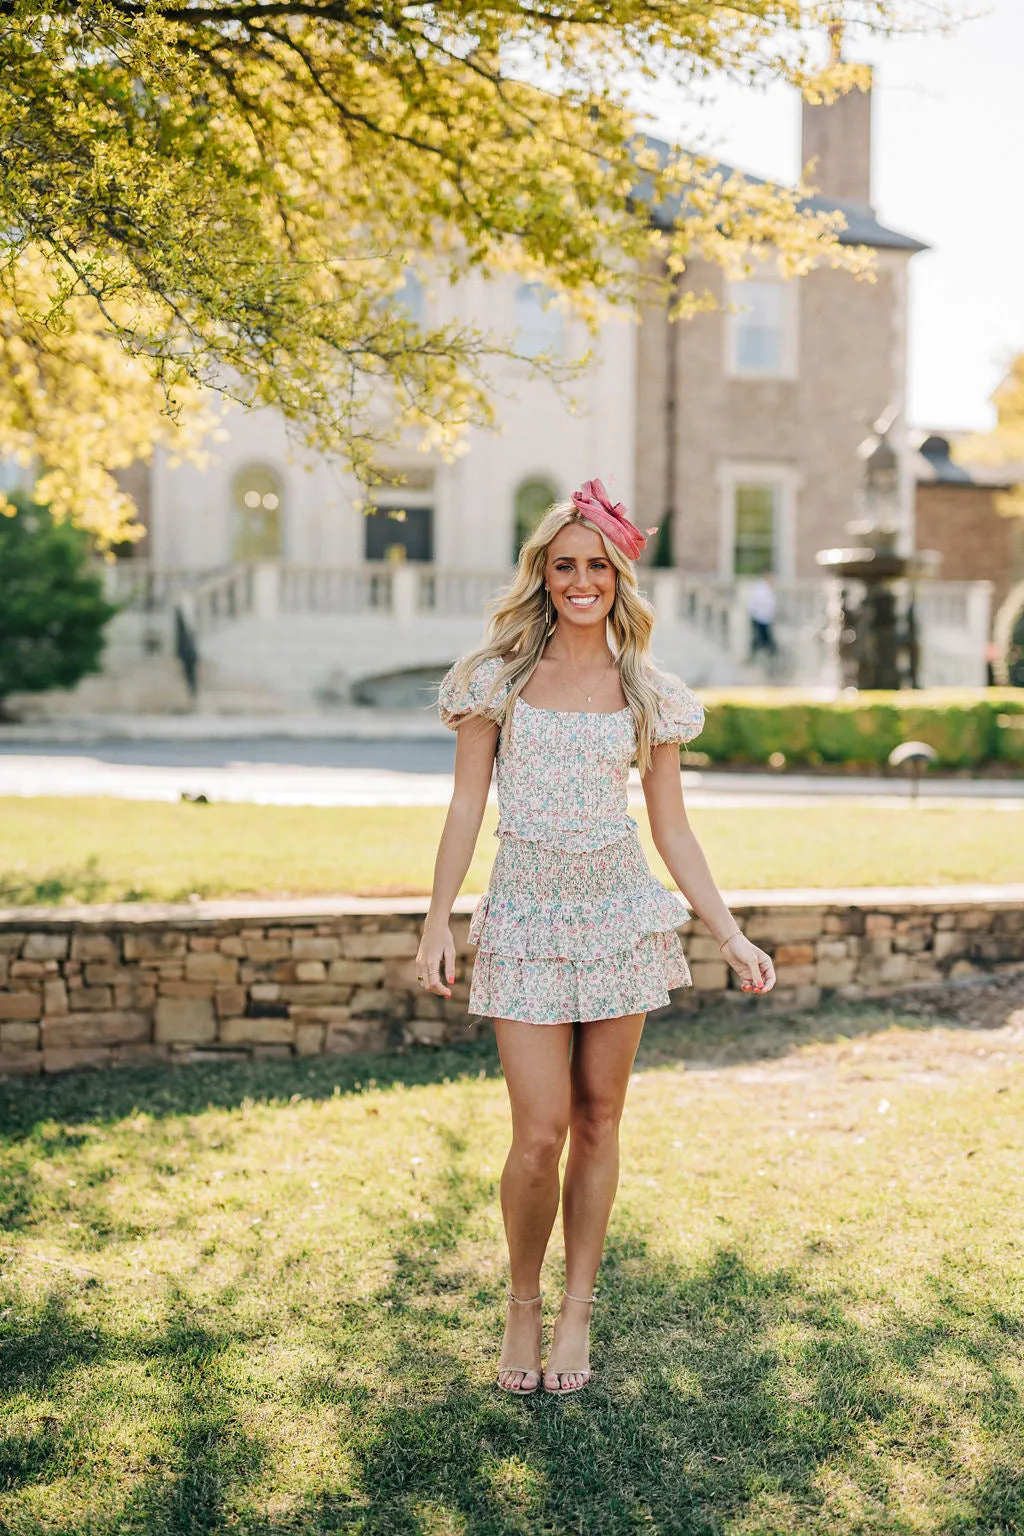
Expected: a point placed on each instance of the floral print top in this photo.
(563, 776)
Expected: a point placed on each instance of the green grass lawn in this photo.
(54, 850)
(267, 1299)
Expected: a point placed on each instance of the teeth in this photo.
(583, 602)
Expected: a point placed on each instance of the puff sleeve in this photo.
(455, 702)
(680, 712)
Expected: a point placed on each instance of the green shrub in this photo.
(52, 609)
(747, 726)
(962, 734)
(1009, 732)
(714, 740)
(851, 732)
(967, 727)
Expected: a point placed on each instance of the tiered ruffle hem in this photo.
(566, 936)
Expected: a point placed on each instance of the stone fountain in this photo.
(877, 628)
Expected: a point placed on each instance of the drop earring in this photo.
(549, 612)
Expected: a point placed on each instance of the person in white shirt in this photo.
(761, 608)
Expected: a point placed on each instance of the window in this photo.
(760, 331)
(256, 514)
(538, 322)
(532, 499)
(755, 529)
(401, 525)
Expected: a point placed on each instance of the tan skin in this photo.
(567, 1080)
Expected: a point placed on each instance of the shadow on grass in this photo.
(716, 1037)
(729, 1397)
(105, 1097)
(202, 1451)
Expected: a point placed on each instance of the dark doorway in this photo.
(411, 530)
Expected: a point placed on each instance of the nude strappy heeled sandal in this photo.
(524, 1370)
(583, 1371)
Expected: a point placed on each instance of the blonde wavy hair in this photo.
(517, 631)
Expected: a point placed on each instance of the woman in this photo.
(576, 940)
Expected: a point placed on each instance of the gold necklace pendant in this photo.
(588, 696)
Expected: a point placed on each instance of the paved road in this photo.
(310, 771)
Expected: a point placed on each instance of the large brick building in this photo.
(750, 416)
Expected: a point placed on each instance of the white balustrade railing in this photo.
(458, 594)
(138, 585)
(954, 624)
(699, 611)
(944, 604)
(709, 607)
(221, 599)
(802, 603)
(717, 609)
(336, 589)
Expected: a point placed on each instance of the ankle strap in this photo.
(524, 1301)
(571, 1297)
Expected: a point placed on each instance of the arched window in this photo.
(532, 499)
(538, 321)
(257, 504)
(411, 299)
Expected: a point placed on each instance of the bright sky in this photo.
(948, 154)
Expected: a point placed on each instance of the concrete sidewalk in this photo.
(244, 773)
(363, 757)
(341, 725)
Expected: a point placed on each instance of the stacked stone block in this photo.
(88, 991)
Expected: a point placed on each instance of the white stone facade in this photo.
(540, 437)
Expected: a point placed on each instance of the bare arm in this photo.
(475, 747)
(684, 858)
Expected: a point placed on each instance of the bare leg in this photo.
(535, 1061)
(602, 1060)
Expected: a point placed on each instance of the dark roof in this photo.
(939, 466)
(862, 227)
(932, 462)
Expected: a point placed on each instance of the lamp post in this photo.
(881, 484)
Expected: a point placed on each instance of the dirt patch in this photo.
(990, 1001)
(941, 1030)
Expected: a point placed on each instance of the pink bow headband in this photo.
(593, 502)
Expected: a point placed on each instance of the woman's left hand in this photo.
(752, 965)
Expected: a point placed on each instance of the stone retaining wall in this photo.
(95, 988)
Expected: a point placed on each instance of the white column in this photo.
(265, 590)
(664, 589)
(405, 580)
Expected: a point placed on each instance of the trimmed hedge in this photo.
(967, 727)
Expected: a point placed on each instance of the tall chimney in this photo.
(838, 138)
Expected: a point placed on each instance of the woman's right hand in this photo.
(435, 959)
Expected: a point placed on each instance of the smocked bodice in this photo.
(563, 776)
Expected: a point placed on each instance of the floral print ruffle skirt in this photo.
(567, 936)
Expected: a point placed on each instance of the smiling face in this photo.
(580, 576)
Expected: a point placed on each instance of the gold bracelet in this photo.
(731, 936)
